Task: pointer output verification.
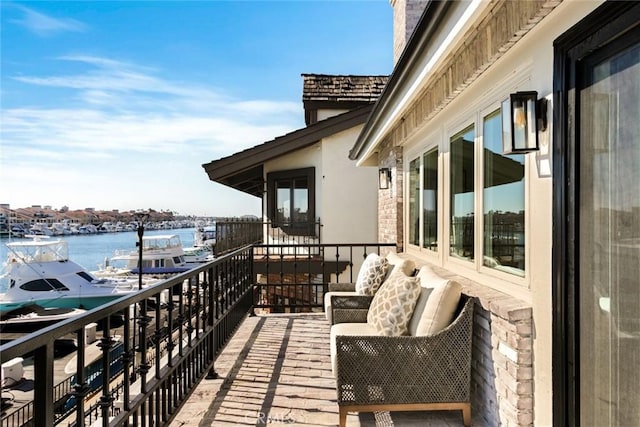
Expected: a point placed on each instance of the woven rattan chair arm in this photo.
(350, 308)
(351, 301)
(342, 287)
(350, 315)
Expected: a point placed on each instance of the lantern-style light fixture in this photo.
(523, 116)
(384, 178)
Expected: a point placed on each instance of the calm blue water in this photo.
(90, 250)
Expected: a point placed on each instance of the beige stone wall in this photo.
(390, 202)
(406, 14)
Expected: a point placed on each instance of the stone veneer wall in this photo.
(390, 202)
(406, 14)
(502, 358)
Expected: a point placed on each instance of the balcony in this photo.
(240, 340)
(276, 370)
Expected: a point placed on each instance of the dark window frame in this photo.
(608, 22)
(309, 174)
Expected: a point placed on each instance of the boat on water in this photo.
(161, 255)
(205, 236)
(32, 317)
(197, 254)
(39, 271)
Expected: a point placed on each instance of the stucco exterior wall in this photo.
(513, 348)
(348, 193)
(345, 195)
(326, 113)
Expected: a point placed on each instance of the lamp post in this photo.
(140, 217)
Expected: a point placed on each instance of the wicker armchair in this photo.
(407, 373)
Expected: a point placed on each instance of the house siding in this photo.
(503, 354)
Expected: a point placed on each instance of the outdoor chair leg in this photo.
(466, 415)
(343, 417)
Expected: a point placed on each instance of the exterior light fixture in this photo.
(523, 116)
(384, 178)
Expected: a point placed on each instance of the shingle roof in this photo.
(336, 88)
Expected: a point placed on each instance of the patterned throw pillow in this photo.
(392, 306)
(372, 274)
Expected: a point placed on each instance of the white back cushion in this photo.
(429, 278)
(406, 265)
(439, 309)
(419, 309)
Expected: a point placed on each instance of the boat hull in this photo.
(85, 302)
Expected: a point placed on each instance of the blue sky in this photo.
(116, 105)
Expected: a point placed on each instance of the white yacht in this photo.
(161, 254)
(39, 271)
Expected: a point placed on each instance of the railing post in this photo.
(106, 400)
(211, 319)
(43, 389)
(81, 388)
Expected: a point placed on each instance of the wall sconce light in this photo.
(523, 116)
(384, 178)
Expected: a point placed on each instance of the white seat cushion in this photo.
(392, 306)
(439, 309)
(327, 301)
(351, 329)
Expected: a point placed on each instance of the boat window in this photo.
(44, 285)
(177, 260)
(86, 276)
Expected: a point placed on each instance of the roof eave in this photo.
(223, 170)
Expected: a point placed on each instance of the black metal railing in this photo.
(168, 336)
(158, 344)
(294, 277)
(231, 234)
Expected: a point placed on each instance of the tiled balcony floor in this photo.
(276, 370)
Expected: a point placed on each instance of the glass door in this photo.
(608, 234)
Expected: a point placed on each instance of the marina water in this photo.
(91, 250)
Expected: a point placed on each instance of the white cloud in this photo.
(44, 25)
(125, 127)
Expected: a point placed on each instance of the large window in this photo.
(486, 199)
(414, 202)
(423, 200)
(503, 202)
(291, 199)
(461, 231)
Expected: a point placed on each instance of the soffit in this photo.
(244, 170)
